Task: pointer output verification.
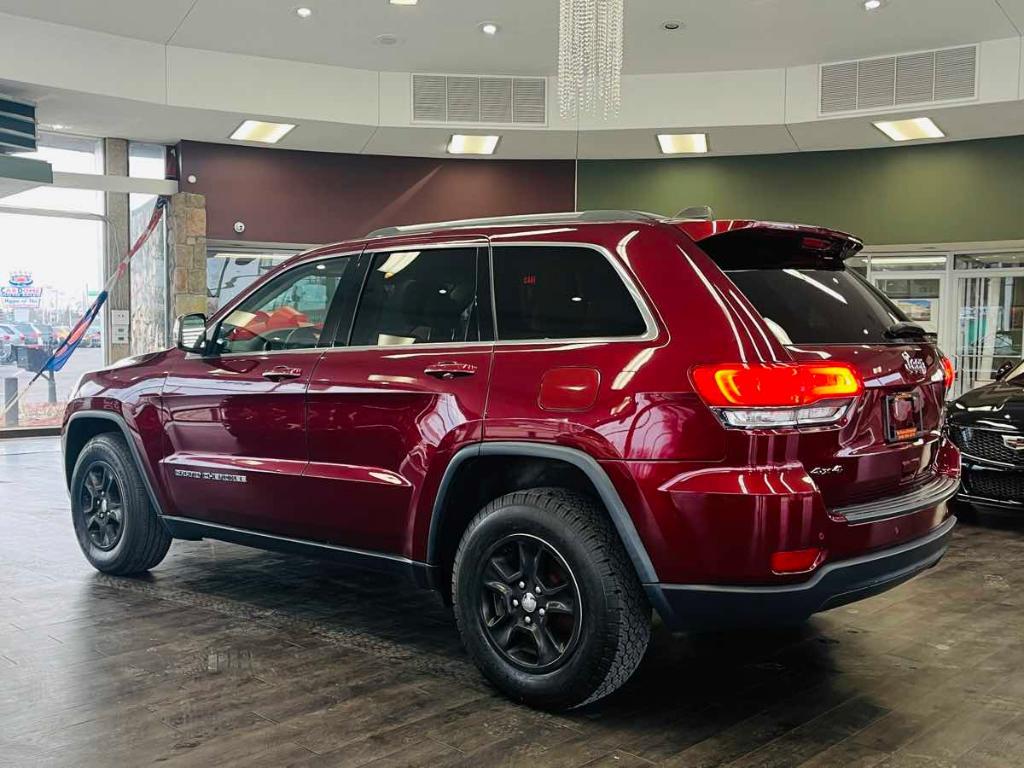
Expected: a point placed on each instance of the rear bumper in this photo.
(696, 606)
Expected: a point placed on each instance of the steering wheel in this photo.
(302, 337)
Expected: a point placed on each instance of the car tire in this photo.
(117, 528)
(597, 622)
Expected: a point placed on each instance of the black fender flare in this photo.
(122, 425)
(587, 464)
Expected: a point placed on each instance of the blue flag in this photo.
(67, 347)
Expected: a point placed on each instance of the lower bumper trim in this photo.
(714, 606)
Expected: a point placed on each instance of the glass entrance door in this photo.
(916, 284)
(990, 326)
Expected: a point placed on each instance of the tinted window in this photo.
(561, 292)
(418, 297)
(818, 306)
(289, 312)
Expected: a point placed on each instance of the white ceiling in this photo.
(442, 35)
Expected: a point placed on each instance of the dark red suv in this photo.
(561, 422)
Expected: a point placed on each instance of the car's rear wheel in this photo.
(116, 525)
(546, 599)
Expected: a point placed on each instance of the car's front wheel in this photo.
(117, 528)
(546, 599)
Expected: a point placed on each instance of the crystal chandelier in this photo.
(590, 57)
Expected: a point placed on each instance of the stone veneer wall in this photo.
(186, 253)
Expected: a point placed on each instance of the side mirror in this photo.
(190, 333)
(1004, 369)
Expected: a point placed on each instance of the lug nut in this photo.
(537, 590)
(541, 611)
(515, 603)
(522, 584)
(528, 620)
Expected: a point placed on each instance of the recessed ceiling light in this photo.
(404, 2)
(873, 5)
(303, 13)
(387, 40)
(258, 130)
(683, 143)
(489, 28)
(910, 130)
(672, 26)
(461, 144)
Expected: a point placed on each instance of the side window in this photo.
(561, 292)
(289, 312)
(418, 297)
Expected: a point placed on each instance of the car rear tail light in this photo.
(772, 395)
(797, 560)
(948, 372)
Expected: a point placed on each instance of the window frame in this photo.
(628, 281)
(333, 320)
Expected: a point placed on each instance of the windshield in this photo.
(818, 306)
(1016, 375)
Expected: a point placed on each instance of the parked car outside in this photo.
(987, 424)
(560, 422)
(10, 337)
(31, 335)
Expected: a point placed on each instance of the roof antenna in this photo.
(697, 212)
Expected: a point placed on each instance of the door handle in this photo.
(282, 372)
(450, 370)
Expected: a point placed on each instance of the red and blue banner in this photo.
(67, 347)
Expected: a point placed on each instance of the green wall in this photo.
(952, 192)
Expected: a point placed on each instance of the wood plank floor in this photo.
(228, 656)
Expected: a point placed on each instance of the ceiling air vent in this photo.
(467, 99)
(428, 98)
(909, 79)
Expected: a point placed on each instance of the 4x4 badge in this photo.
(914, 364)
(1014, 442)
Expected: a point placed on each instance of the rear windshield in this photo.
(818, 306)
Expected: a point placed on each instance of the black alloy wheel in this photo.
(102, 505)
(529, 603)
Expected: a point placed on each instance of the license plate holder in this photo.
(903, 416)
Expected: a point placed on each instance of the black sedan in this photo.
(987, 424)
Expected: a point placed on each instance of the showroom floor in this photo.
(229, 656)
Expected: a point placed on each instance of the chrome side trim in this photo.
(989, 462)
(929, 495)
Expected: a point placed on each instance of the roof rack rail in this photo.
(518, 221)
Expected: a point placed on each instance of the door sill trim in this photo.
(189, 528)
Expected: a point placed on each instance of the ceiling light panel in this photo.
(404, 2)
(263, 132)
(910, 130)
(683, 143)
(461, 144)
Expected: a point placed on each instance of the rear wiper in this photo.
(905, 330)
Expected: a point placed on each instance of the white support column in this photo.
(115, 163)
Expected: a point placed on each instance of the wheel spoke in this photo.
(547, 651)
(501, 570)
(501, 630)
(559, 606)
(108, 478)
(499, 587)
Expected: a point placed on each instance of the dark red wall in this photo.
(288, 196)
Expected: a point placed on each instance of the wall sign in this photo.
(20, 291)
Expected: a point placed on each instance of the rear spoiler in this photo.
(744, 244)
